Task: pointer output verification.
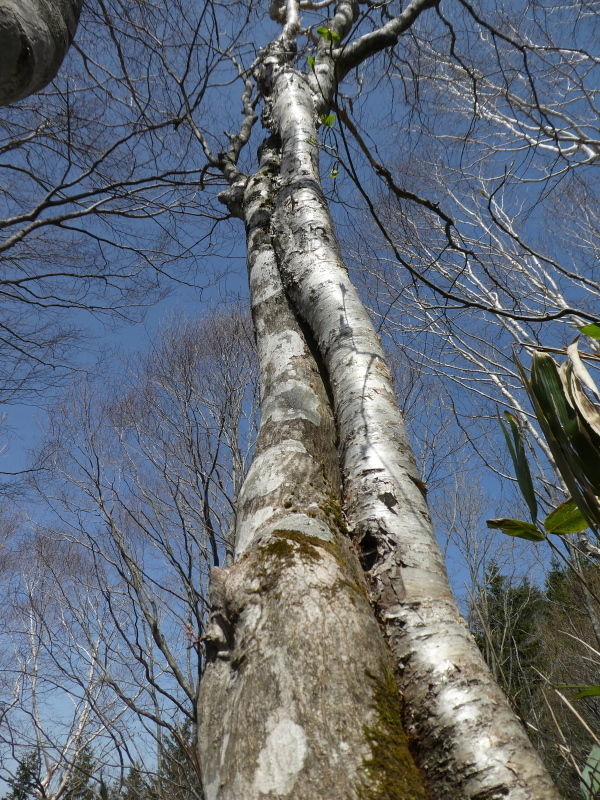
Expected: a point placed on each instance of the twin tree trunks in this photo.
(310, 652)
(300, 696)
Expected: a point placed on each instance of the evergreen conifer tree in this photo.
(23, 785)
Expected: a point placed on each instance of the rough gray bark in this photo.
(298, 699)
(34, 38)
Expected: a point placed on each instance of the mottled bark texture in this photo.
(34, 38)
(298, 699)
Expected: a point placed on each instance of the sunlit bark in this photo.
(470, 743)
(298, 698)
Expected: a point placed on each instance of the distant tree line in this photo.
(539, 642)
(174, 776)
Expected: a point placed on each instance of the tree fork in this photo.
(298, 698)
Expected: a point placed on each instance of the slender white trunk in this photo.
(469, 742)
(298, 699)
(34, 38)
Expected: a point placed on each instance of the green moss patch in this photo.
(305, 546)
(280, 548)
(278, 554)
(389, 773)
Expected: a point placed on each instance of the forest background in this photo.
(462, 183)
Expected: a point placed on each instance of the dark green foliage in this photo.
(175, 777)
(534, 640)
(135, 786)
(81, 784)
(560, 585)
(178, 775)
(22, 786)
(508, 633)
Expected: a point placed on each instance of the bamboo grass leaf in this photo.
(576, 457)
(589, 412)
(583, 690)
(580, 369)
(548, 388)
(590, 775)
(592, 330)
(567, 518)
(521, 465)
(586, 691)
(518, 528)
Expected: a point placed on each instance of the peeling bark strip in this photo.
(298, 698)
(469, 741)
(34, 38)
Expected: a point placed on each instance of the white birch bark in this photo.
(470, 743)
(298, 698)
(34, 38)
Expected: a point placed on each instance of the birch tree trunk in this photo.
(470, 742)
(34, 38)
(261, 735)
